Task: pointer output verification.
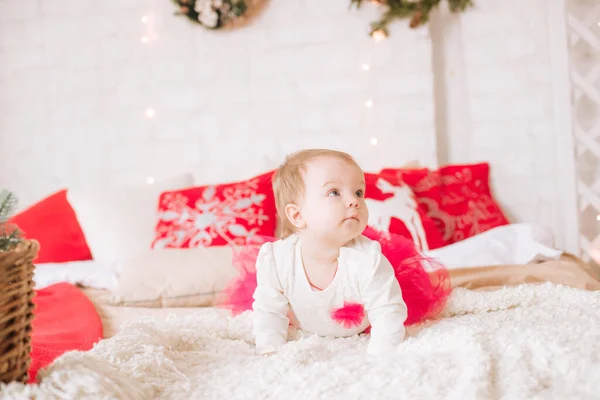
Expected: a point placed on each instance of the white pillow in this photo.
(118, 221)
(86, 273)
(504, 245)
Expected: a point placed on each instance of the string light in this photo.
(145, 39)
(150, 113)
(374, 141)
(378, 35)
(366, 67)
(598, 217)
(144, 19)
(369, 103)
(149, 180)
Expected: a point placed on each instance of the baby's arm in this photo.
(385, 308)
(270, 305)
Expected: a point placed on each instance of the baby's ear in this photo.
(292, 212)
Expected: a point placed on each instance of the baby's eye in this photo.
(360, 193)
(333, 192)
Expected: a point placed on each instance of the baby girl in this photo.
(324, 274)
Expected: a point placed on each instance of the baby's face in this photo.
(333, 206)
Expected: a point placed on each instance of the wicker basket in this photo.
(16, 310)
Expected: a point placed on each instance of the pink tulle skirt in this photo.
(425, 283)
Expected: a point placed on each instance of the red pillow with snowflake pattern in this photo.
(216, 215)
(394, 208)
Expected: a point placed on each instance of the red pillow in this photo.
(218, 215)
(53, 223)
(427, 187)
(457, 197)
(467, 199)
(65, 320)
(393, 208)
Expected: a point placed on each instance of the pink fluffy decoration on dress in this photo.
(349, 315)
(238, 295)
(425, 283)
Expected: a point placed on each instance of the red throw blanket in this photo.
(65, 320)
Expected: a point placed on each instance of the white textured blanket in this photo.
(526, 342)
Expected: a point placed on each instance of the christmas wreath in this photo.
(212, 14)
(417, 11)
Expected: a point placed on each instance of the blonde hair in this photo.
(288, 182)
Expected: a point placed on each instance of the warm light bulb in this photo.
(598, 217)
(369, 103)
(373, 141)
(144, 19)
(366, 67)
(378, 35)
(150, 113)
(145, 39)
(149, 180)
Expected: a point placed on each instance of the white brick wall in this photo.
(497, 73)
(75, 81)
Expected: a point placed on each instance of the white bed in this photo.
(508, 255)
(529, 341)
(524, 325)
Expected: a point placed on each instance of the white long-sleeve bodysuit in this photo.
(364, 278)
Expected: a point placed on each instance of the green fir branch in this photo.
(418, 12)
(8, 204)
(9, 239)
(10, 235)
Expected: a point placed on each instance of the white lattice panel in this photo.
(583, 22)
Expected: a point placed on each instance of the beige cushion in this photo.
(113, 316)
(568, 270)
(174, 277)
